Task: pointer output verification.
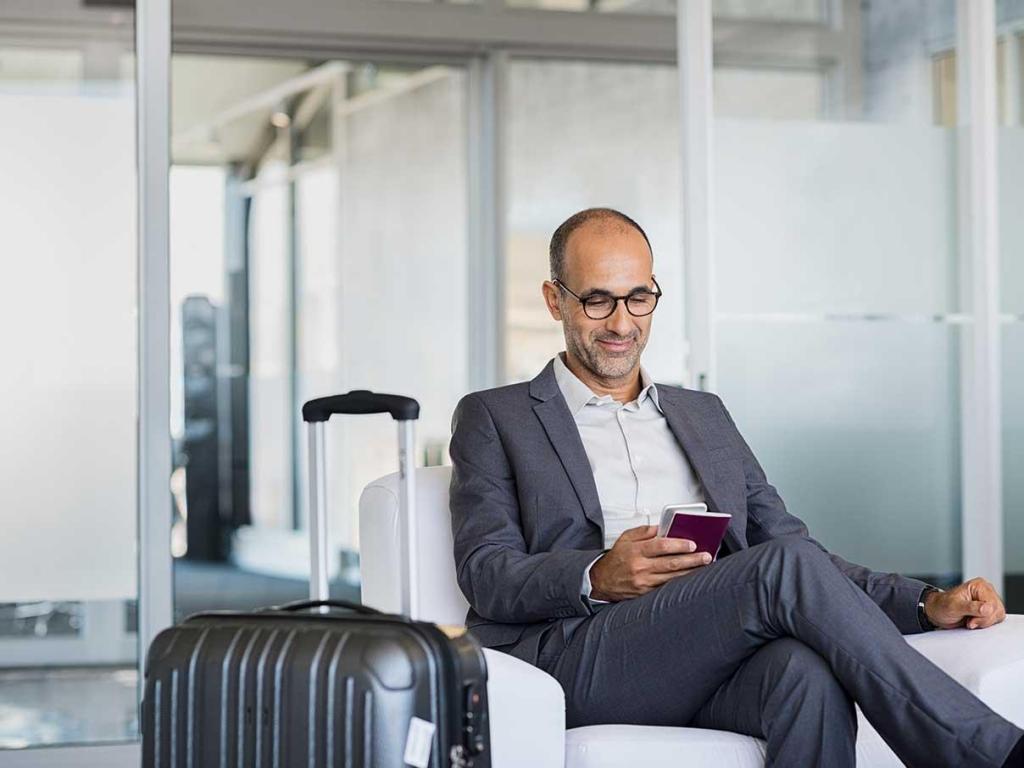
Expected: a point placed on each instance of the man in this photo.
(555, 485)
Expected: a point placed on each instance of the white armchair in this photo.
(527, 706)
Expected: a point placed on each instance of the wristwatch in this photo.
(922, 615)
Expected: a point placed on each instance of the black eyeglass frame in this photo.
(656, 293)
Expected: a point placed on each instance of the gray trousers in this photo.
(774, 642)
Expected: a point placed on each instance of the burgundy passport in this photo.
(705, 529)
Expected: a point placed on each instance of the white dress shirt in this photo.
(638, 465)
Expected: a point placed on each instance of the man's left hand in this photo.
(974, 605)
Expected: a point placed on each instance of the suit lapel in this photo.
(561, 429)
(689, 438)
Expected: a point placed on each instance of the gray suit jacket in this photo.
(526, 517)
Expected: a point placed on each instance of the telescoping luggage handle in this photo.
(405, 411)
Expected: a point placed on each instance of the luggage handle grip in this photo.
(302, 605)
(361, 401)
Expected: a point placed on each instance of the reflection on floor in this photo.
(67, 706)
(75, 705)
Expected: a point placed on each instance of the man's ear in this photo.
(551, 296)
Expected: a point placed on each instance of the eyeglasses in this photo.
(598, 306)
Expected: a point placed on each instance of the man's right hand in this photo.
(639, 562)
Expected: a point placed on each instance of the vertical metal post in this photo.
(695, 80)
(408, 522)
(318, 544)
(486, 258)
(294, 357)
(981, 445)
(152, 88)
(1013, 115)
(844, 92)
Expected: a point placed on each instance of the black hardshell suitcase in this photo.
(320, 683)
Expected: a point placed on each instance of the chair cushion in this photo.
(619, 746)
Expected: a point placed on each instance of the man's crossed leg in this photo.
(773, 641)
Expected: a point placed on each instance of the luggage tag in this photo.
(418, 743)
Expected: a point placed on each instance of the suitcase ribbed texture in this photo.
(272, 691)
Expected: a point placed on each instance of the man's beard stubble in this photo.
(599, 362)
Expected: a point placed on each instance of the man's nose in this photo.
(620, 321)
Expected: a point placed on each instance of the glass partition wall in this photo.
(1010, 73)
(848, 317)
(838, 305)
(68, 336)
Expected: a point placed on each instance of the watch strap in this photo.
(922, 615)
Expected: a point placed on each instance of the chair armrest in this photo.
(988, 662)
(527, 714)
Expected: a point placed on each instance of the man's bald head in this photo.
(601, 217)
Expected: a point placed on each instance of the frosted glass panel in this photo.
(1011, 243)
(1011, 219)
(789, 10)
(856, 425)
(1011, 203)
(769, 93)
(582, 135)
(836, 217)
(69, 553)
(68, 341)
(1013, 450)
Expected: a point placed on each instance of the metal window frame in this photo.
(1013, 92)
(153, 61)
(439, 32)
(485, 113)
(694, 27)
(981, 404)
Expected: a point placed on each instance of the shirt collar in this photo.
(577, 394)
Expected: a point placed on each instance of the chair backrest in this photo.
(441, 600)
